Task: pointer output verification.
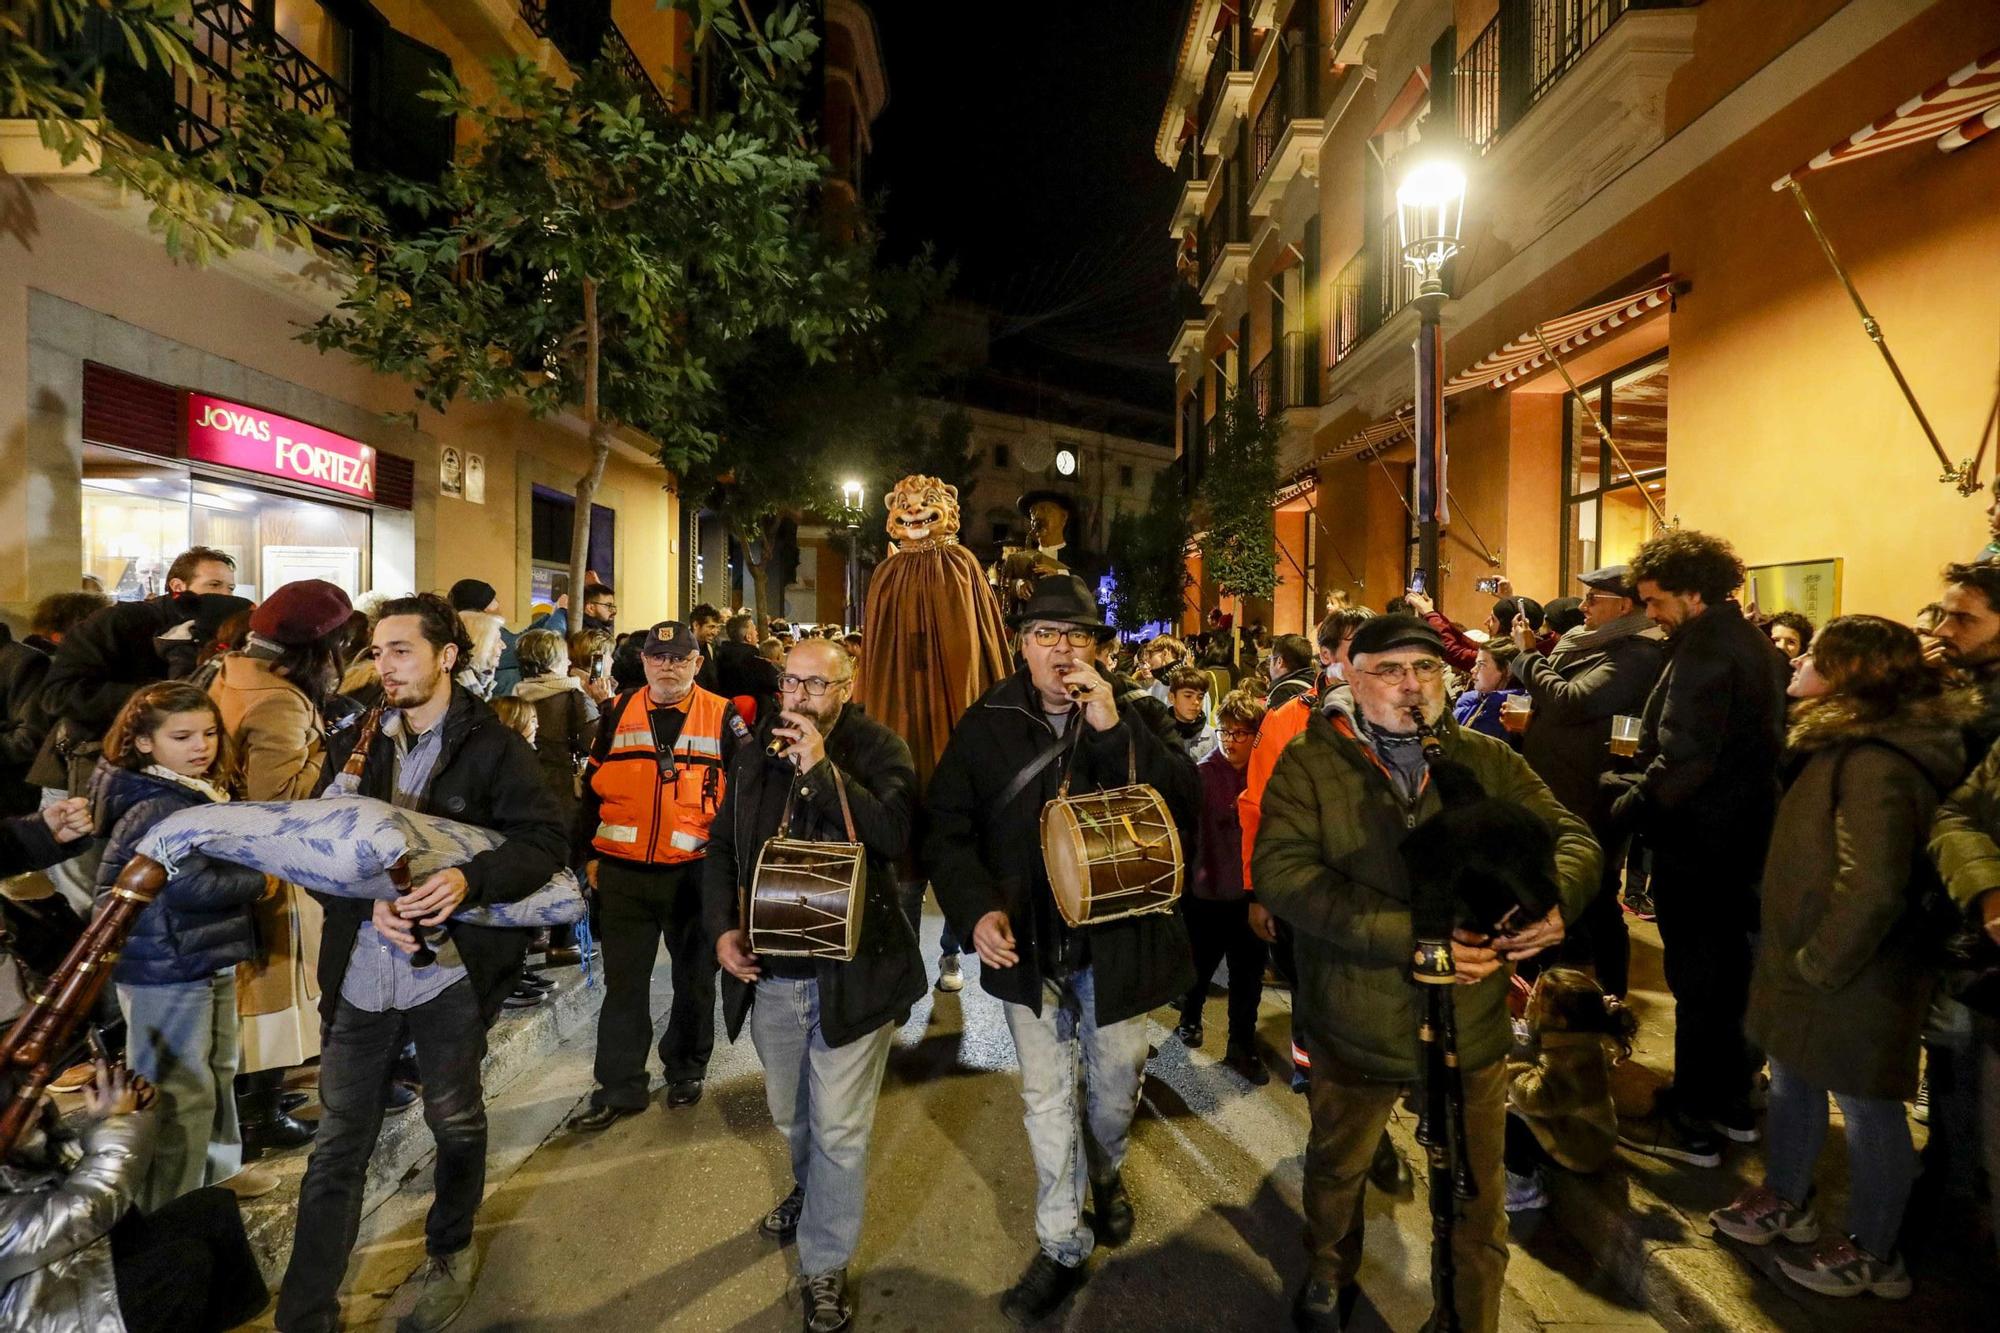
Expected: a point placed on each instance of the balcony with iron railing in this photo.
(1263, 386)
(584, 32)
(1288, 127)
(1349, 313)
(1225, 93)
(1191, 187)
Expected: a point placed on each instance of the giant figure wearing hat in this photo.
(936, 640)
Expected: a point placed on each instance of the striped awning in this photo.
(1523, 356)
(1951, 114)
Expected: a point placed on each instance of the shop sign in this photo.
(259, 441)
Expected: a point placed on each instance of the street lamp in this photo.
(1430, 208)
(850, 500)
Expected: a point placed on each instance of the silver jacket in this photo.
(55, 1232)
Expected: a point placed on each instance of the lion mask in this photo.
(922, 508)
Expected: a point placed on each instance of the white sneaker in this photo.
(951, 976)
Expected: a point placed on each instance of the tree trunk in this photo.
(600, 454)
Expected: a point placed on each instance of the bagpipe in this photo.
(341, 845)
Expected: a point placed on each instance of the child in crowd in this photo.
(168, 752)
(517, 715)
(1478, 709)
(1187, 695)
(1559, 1107)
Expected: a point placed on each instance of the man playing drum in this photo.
(1061, 986)
(822, 1027)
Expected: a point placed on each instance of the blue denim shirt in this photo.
(380, 977)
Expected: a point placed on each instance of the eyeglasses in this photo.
(1603, 597)
(1047, 636)
(812, 685)
(1236, 734)
(1395, 673)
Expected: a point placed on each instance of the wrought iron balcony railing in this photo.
(583, 31)
(1522, 54)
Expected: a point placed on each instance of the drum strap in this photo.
(840, 790)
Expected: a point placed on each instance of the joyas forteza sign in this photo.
(259, 441)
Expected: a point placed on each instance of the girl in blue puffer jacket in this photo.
(176, 979)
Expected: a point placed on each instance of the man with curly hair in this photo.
(1704, 794)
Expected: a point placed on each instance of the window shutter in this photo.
(395, 481)
(128, 412)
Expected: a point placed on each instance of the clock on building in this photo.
(1066, 462)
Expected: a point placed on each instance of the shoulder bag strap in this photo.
(1031, 769)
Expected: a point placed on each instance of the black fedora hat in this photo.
(1063, 597)
(1026, 504)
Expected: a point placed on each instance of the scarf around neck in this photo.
(1583, 639)
(200, 785)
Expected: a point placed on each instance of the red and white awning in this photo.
(1952, 114)
(1523, 356)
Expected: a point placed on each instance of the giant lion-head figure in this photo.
(922, 508)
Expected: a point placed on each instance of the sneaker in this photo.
(1736, 1126)
(782, 1222)
(1526, 1194)
(1921, 1111)
(1839, 1267)
(1042, 1289)
(826, 1307)
(1759, 1217)
(951, 974)
(1316, 1308)
(1639, 902)
(1111, 1211)
(1665, 1134)
(446, 1280)
(1190, 1035)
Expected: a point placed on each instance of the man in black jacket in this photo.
(1601, 669)
(23, 724)
(1704, 798)
(442, 751)
(741, 670)
(1061, 987)
(822, 1027)
(1294, 670)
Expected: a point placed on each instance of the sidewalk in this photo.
(1644, 1221)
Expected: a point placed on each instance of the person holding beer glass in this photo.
(1597, 672)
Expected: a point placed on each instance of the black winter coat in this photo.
(1576, 694)
(486, 775)
(982, 859)
(26, 844)
(102, 661)
(740, 669)
(200, 923)
(1711, 736)
(886, 976)
(23, 723)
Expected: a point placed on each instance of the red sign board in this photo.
(259, 441)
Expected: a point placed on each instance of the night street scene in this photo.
(1115, 665)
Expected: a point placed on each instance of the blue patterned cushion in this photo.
(344, 845)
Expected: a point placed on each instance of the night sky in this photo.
(1018, 139)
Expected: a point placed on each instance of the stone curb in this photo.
(515, 1045)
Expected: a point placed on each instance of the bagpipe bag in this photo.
(345, 845)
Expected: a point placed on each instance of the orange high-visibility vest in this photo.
(642, 817)
(1276, 731)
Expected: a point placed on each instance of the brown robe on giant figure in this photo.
(935, 638)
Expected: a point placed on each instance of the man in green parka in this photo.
(1328, 860)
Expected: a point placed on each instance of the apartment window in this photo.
(1605, 514)
(1124, 476)
(1001, 456)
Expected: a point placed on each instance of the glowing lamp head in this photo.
(1430, 207)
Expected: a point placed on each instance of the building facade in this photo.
(146, 405)
(1629, 268)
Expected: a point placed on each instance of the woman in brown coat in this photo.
(272, 695)
(1844, 969)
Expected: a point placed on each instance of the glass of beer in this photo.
(1624, 736)
(1515, 710)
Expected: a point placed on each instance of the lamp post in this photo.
(1430, 206)
(850, 500)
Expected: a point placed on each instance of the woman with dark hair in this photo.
(1844, 971)
(273, 696)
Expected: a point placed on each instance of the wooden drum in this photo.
(1111, 854)
(805, 900)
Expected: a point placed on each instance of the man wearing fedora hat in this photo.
(1061, 987)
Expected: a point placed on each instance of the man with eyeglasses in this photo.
(1601, 669)
(1328, 859)
(652, 787)
(1054, 719)
(822, 1027)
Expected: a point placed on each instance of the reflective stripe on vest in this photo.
(643, 817)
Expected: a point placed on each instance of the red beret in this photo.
(301, 612)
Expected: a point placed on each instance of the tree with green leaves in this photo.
(1239, 532)
(595, 252)
(1149, 558)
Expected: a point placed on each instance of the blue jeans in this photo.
(1881, 1162)
(181, 1037)
(823, 1101)
(1074, 1146)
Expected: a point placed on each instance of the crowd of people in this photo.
(1809, 813)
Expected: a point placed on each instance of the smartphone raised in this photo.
(1418, 581)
